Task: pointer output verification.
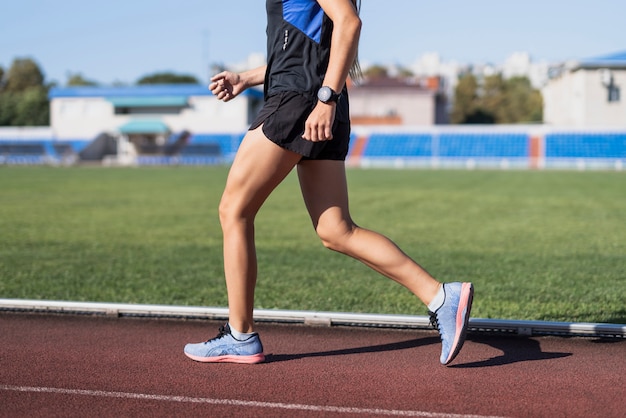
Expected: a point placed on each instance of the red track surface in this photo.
(74, 366)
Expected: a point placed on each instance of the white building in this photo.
(587, 93)
(82, 113)
(388, 101)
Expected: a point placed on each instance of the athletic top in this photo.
(298, 49)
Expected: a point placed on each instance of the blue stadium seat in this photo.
(399, 145)
(586, 145)
(23, 153)
(449, 145)
(483, 145)
(227, 143)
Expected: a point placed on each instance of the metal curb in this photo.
(479, 325)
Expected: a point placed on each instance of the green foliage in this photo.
(522, 103)
(465, 99)
(376, 71)
(404, 72)
(32, 107)
(23, 74)
(168, 78)
(26, 108)
(496, 101)
(8, 107)
(78, 80)
(23, 95)
(537, 245)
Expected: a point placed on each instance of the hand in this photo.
(226, 85)
(319, 125)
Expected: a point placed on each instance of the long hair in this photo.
(355, 72)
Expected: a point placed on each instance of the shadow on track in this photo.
(514, 350)
(402, 345)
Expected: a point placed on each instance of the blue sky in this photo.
(123, 40)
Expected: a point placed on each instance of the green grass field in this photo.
(537, 245)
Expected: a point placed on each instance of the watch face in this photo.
(324, 94)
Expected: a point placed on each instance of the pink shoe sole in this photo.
(462, 319)
(257, 358)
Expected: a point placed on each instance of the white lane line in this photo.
(236, 402)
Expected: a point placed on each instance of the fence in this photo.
(501, 147)
(522, 147)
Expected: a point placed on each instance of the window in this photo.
(614, 93)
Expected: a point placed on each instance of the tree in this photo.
(33, 108)
(404, 72)
(466, 102)
(523, 102)
(376, 71)
(493, 98)
(77, 79)
(496, 100)
(168, 78)
(23, 95)
(7, 108)
(24, 73)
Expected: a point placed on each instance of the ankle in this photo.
(438, 300)
(238, 334)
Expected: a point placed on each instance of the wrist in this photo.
(244, 80)
(327, 95)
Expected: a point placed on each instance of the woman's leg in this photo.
(259, 166)
(325, 193)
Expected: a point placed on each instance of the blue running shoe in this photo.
(226, 348)
(452, 318)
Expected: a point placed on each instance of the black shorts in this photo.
(283, 116)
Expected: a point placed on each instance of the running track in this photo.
(86, 366)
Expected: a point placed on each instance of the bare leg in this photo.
(259, 166)
(325, 193)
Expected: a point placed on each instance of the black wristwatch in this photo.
(327, 95)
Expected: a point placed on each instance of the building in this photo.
(393, 101)
(136, 124)
(587, 93)
(396, 122)
(148, 115)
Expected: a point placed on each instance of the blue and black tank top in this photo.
(298, 48)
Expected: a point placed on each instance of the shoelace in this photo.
(222, 332)
(433, 320)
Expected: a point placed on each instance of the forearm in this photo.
(253, 77)
(343, 51)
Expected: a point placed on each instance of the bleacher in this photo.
(400, 145)
(23, 153)
(585, 150)
(446, 147)
(432, 147)
(482, 145)
(610, 145)
(227, 143)
(201, 150)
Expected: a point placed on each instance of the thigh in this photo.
(325, 192)
(259, 166)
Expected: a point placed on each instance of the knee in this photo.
(224, 213)
(335, 237)
(230, 214)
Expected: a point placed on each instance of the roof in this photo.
(154, 101)
(147, 90)
(144, 126)
(615, 60)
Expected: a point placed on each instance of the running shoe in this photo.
(226, 348)
(452, 318)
